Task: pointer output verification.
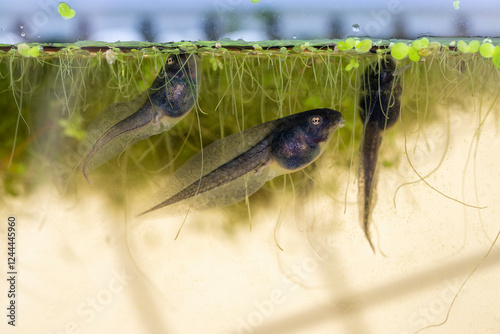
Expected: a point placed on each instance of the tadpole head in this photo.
(298, 142)
(175, 90)
(381, 93)
(321, 124)
(184, 66)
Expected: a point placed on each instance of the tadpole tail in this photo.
(367, 178)
(137, 120)
(251, 160)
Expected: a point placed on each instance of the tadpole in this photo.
(172, 96)
(380, 107)
(234, 167)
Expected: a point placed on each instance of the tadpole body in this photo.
(380, 107)
(172, 96)
(228, 170)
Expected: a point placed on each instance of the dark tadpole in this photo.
(380, 107)
(285, 145)
(171, 96)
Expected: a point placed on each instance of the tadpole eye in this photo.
(316, 120)
(170, 60)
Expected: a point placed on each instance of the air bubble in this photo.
(355, 27)
(22, 27)
(23, 34)
(294, 37)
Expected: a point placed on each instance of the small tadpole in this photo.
(380, 107)
(170, 98)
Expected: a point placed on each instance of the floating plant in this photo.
(65, 11)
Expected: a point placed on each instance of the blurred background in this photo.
(167, 21)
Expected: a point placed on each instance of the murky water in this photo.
(292, 257)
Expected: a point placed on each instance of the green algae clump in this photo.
(496, 57)
(413, 54)
(25, 50)
(352, 64)
(65, 11)
(420, 43)
(486, 50)
(346, 45)
(364, 46)
(399, 51)
(472, 47)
